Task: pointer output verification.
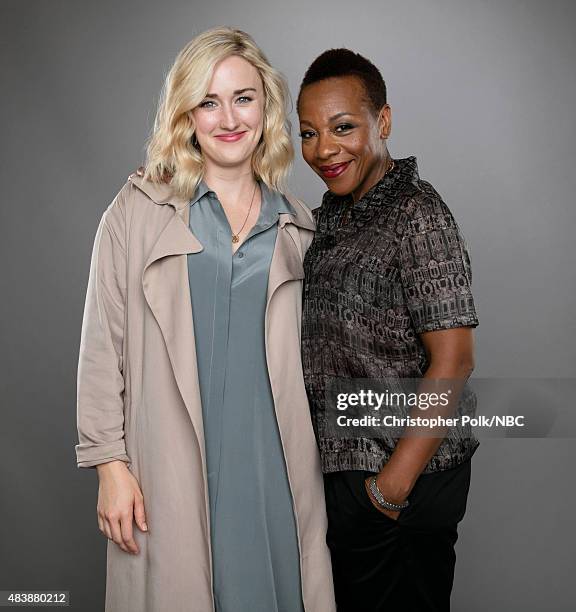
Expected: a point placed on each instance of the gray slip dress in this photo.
(256, 561)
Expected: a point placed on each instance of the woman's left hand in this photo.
(393, 514)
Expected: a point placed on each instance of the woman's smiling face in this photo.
(343, 140)
(229, 121)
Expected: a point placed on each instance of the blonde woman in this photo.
(191, 399)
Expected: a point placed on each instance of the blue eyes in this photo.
(212, 103)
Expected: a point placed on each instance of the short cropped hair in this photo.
(341, 63)
(171, 154)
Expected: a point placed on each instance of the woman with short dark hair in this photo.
(387, 296)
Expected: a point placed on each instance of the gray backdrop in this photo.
(482, 92)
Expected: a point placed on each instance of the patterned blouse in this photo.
(378, 273)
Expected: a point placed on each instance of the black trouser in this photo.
(381, 564)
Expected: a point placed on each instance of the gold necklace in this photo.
(236, 236)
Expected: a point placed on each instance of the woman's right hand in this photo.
(119, 501)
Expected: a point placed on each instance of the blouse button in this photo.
(240, 255)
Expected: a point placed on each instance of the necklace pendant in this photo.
(235, 238)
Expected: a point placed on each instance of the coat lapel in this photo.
(286, 262)
(167, 292)
(288, 256)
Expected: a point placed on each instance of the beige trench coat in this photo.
(139, 399)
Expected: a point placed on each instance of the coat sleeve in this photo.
(100, 382)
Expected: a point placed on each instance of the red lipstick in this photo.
(334, 170)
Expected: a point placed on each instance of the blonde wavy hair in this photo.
(171, 154)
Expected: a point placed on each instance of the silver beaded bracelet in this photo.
(380, 498)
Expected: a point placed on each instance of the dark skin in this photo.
(340, 130)
(337, 125)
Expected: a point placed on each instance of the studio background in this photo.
(482, 92)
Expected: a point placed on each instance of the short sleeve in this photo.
(435, 268)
